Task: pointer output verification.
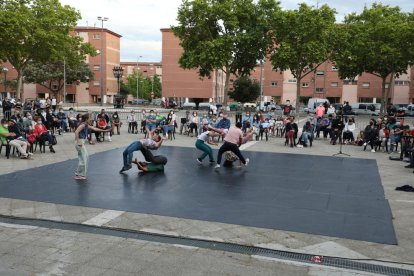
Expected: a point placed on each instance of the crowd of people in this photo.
(40, 124)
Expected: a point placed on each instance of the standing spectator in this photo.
(346, 110)
(54, 103)
(7, 107)
(320, 110)
(326, 106)
(287, 108)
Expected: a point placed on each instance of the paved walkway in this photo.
(21, 249)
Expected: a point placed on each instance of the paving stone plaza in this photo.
(93, 228)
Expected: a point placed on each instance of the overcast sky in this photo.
(139, 22)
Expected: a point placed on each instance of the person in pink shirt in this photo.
(320, 111)
(233, 139)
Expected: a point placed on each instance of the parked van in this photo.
(366, 108)
(409, 110)
(313, 103)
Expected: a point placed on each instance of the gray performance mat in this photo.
(330, 196)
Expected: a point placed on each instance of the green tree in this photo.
(145, 86)
(228, 35)
(36, 30)
(245, 90)
(379, 41)
(303, 41)
(51, 75)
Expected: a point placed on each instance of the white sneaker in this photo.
(372, 150)
(109, 139)
(299, 146)
(247, 162)
(217, 166)
(30, 154)
(364, 144)
(199, 161)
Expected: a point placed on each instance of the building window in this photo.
(365, 85)
(319, 90)
(334, 68)
(365, 100)
(54, 87)
(305, 84)
(96, 68)
(350, 82)
(96, 83)
(273, 83)
(292, 81)
(334, 84)
(401, 83)
(96, 36)
(320, 73)
(387, 85)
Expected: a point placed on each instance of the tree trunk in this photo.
(19, 92)
(226, 87)
(388, 92)
(297, 96)
(383, 100)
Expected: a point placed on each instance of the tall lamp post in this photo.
(102, 19)
(5, 70)
(138, 75)
(118, 71)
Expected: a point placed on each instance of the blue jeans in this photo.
(129, 153)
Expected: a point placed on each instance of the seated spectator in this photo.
(224, 123)
(150, 121)
(170, 123)
(307, 134)
(28, 123)
(72, 119)
(348, 134)
(337, 127)
(116, 123)
(160, 119)
(41, 133)
(102, 124)
(384, 135)
(132, 123)
(370, 135)
(62, 119)
(264, 128)
(10, 137)
(194, 122)
(290, 133)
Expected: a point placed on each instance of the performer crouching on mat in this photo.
(151, 143)
(153, 164)
(233, 139)
(81, 135)
(202, 140)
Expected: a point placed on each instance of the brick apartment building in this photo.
(324, 83)
(107, 43)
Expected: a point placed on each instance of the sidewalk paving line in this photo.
(103, 217)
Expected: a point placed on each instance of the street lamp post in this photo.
(102, 19)
(118, 71)
(138, 76)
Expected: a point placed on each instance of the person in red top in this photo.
(233, 139)
(40, 132)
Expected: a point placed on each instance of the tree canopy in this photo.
(228, 35)
(379, 41)
(38, 31)
(303, 40)
(51, 75)
(245, 90)
(145, 86)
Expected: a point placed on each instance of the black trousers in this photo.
(149, 157)
(231, 147)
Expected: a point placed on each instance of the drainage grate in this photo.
(213, 245)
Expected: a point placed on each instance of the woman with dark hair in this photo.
(81, 135)
(116, 123)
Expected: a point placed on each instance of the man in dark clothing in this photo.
(7, 107)
(337, 127)
(346, 110)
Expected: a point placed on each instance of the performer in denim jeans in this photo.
(81, 135)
